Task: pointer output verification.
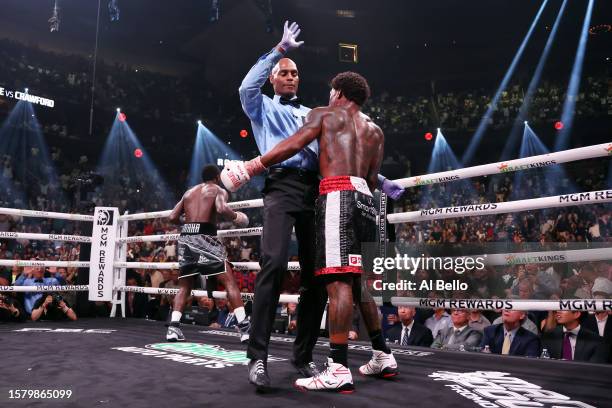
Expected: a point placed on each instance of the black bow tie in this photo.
(295, 102)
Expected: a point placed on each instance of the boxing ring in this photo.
(181, 375)
(125, 363)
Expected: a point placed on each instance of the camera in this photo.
(57, 299)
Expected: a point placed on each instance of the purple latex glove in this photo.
(393, 190)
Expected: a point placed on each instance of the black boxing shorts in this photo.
(346, 218)
(199, 250)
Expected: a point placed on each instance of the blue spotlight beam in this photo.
(121, 170)
(535, 80)
(207, 149)
(482, 126)
(567, 117)
(541, 179)
(23, 144)
(443, 159)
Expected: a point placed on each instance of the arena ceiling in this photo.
(401, 43)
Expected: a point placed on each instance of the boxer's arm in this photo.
(296, 142)
(223, 209)
(176, 212)
(376, 162)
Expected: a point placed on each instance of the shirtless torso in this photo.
(203, 203)
(350, 143)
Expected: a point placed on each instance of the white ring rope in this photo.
(242, 266)
(532, 162)
(58, 264)
(471, 210)
(45, 214)
(284, 298)
(44, 237)
(237, 205)
(45, 288)
(508, 259)
(239, 232)
(513, 304)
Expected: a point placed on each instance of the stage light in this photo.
(118, 166)
(118, 109)
(559, 125)
(26, 90)
(512, 140)
(113, 10)
(54, 21)
(573, 89)
(244, 133)
(215, 11)
(525, 122)
(207, 149)
(470, 152)
(428, 136)
(199, 122)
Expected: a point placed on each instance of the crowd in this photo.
(68, 78)
(464, 110)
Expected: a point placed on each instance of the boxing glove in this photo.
(241, 220)
(237, 173)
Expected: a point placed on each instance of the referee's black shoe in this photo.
(258, 375)
(307, 370)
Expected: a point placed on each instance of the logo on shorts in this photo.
(203, 259)
(354, 260)
(105, 217)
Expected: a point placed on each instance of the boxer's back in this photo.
(349, 144)
(199, 203)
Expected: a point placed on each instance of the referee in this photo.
(289, 195)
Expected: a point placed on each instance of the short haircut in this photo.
(353, 86)
(210, 172)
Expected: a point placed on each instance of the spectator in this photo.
(526, 324)
(510, 338)
(459, 334)
(409, 332)
(438, 322)
(478, 321)
(601, 322)
(224, 317)
(11, 310)
(52, 306)
(286, 319)
(135, 303)
(33, 276)
(570, 341)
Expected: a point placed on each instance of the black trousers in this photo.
(289, 197)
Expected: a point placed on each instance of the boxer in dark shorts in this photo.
(199, 250)
(201, 253)
(350, 153)
(346, 218)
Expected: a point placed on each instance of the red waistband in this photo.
(336, 183)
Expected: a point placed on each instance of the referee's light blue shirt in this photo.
(271, 121)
